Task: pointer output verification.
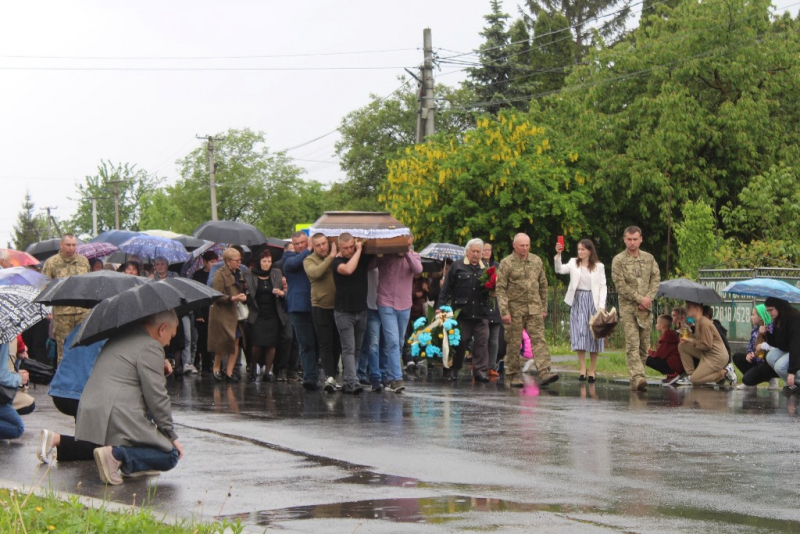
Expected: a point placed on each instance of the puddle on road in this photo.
(404, 510)
(372, 478)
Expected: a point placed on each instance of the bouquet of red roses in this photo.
(488, 280)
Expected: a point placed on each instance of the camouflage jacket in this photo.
(57, 267)
(521, 285)
(635, 278)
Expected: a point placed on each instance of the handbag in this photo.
(242, 311)
(40, 373)
(7, 394)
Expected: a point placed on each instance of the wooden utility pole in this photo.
(116, 183)
(49, 221)
(211, 170)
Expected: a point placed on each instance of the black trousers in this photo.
(753, 373)
(286, 354)
(70, 449)
(327, 339)
(659, 365)
(206, 358)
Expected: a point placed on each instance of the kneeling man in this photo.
(125, 405)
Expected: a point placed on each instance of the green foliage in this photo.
(137, 185)
(372, 134)
(254, 186)
(29, 227)
(23, 513)
(505, 176)
(553, 53)
(696, 238)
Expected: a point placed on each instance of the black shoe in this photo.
(377, 387)
(233, 378)
(311, 386)
(364, 382)
(283, 376)
(582, 378)
(481, 378)
(251, 377)
(292, 376)
(218, 376)
(591, 379)
(453, 376)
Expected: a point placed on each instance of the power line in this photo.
(199, 69)
(193, 58)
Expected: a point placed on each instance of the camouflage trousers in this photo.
(62, 326)
(534, 325)
(637, 340)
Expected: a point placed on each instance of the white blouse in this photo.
(585, 282)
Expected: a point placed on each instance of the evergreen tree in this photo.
(29, 227)
(490, 81)
(553, 51)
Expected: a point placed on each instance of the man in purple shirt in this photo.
(395, 280)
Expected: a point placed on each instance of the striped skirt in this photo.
(579, 330)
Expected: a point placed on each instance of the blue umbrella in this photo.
(147, 246)
(442, 251)
(23, 276)
(115, 237)
(764, 287)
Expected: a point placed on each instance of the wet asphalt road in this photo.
(446, 457)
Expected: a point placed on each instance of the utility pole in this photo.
(94, 212)
(429, 105)
(49, 220)
(116, 183)
(211, 170)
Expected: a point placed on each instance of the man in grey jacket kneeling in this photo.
(125, 405)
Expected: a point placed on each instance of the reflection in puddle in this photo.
(409, 510)
(379, 479)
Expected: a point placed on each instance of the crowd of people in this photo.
(331, 317)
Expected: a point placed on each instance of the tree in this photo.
(30, 227)
(553, 51)
(580, 15)
(374, 133)
(135, 185)
(255, 186)
(507, 175)
(696, 238)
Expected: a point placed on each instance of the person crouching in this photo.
(706, 346)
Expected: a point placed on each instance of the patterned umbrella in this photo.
(169, 234)
(115, 237)
(23, 276)
(96, 250)
(18, 312)
(442, 251)
(20, 258)
(764, 287)
(152, 247)
(196, 263)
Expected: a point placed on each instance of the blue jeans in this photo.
(11, 426)
(369, 355)
(135, 459)
(306, 345)
(393, 326)
(779, 360)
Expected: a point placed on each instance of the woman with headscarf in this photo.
(753, 364)
(265, 294)
(224, 331)
(783, 343)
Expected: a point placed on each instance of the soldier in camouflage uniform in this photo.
(522, 299)
(636, 277)
(66, 263)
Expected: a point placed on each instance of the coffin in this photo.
(384, 233)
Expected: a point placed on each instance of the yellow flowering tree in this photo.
(507, 175)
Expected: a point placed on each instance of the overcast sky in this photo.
(78, 83)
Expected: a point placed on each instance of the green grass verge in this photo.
(608, 364)
(22, 512)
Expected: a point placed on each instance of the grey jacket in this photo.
(125, 402)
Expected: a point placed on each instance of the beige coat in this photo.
(223, 316)
(126, 386)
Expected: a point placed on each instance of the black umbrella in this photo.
(274, 245)
(232, 232)
(684, 289)
(44, 249)
(86, 290)
(190, 242)
(133, 305)
(115, 237)
(429, 265)
(18, 312)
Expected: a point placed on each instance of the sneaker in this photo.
(773, 384)
(139, 474)
(730, 374)
(353, 390)
(684, 381)
(411, 365)
(292, 376)
(188, 369)
(493, 374)
(330, 385)
(283, 376)
(529, 367)
(46, 451)
(671, 379)
(745, 386)
(547, 378)
(107, 466)
(377, 387)
(397, 386)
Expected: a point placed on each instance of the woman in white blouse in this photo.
(586, 294)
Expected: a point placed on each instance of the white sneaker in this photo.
(773, 384)
(188, 368)
(730, 374)
(330, 385)
(45, 452)
(745, 386)
(684, 381)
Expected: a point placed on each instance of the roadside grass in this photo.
(608, 363)
(28, 512)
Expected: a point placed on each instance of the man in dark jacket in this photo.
(298, 304)
(463, 288)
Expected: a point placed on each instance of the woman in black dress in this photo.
(265, 291)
